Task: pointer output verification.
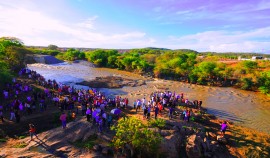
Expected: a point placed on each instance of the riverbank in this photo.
(246, 108)
(240, 141)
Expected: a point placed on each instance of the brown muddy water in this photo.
(249, 109)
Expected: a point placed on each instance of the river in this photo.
(249, 109)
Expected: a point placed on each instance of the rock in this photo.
(212, 135)
(171, 145)
(176, 128)
(258, 148)
(186, 131)
(193, 147)
(204, 147)
(221, 139)
(154, 130)
(106, 151)
(166, 132)
(207, 154)
(201, 134)
(97, 147)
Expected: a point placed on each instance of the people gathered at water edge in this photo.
(21, 100)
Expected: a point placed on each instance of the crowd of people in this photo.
(22, 99)
(160, 100)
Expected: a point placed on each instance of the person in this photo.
(156, 111)
(73, 116)
(171, 112)
(32, 131)
(109, 120)
(1, 115)
(12, 114)
(17, 116)
(138, 105)
(224, 126)
(88, 114)
(63, 119)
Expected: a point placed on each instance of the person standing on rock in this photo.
(224, 126)
(63, 119)
(32, 131)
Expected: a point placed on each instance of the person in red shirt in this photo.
(32, 131)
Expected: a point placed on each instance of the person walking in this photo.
(223, 129)
(63, 119)
(32, 131)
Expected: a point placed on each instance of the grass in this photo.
(3, 140)
(159, 123)
(20, 145)
(22, 137)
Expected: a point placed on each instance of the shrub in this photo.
(159, 123)
(131, 131)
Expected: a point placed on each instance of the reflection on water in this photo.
(249, 109)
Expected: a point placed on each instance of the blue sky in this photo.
(202, 25)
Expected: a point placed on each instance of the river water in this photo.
(249, 109)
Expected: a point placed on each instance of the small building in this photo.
(257, 58)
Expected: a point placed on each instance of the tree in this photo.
(132, 132)
(52, 47)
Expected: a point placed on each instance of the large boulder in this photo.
(212, 135)
(166, 132)
(194, 147)
(171, 145)
(221, 139)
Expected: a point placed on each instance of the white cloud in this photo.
(36, 28)
(224, 41)
(88, 23)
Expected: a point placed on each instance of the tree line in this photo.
(182, 65)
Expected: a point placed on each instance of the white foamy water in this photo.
(246, 108)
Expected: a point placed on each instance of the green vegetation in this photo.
(71, 54)
(12, 55)
(20, 145)
(132, 132)
(207, 68)
(159, 123)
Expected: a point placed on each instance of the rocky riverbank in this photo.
(112, 82)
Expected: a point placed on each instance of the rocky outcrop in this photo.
(193, 147)
(171, 145)
(112, 82)
(44, 59)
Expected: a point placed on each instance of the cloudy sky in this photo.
(202, 25)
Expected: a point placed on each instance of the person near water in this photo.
(138, 104)
(32, 131)
(63, 119)
(224, 126)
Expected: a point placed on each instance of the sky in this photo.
(201, 25)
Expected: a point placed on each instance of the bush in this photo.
(246, 84)
(159, 123)
(131, 131)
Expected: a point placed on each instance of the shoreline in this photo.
(235, 133)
